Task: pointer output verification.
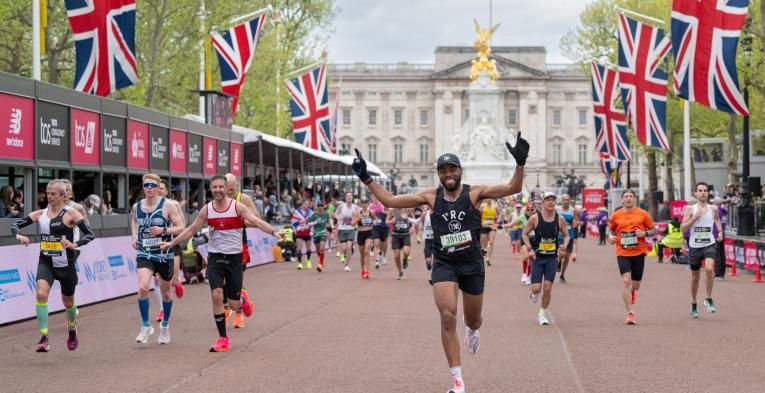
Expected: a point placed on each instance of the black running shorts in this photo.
(164, 269)
(362, 236)
(398, 242)
(225, 271)
(696, 255)
(380, 232)
(66, 276)
(469, 275)
(633, 265)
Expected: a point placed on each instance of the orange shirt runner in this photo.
(623, 225)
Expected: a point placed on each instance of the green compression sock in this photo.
(71, 314)
(42, 317)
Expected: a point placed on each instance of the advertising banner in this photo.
(178, 151)
(761, 253)
(113, 150)
(160, 140)
(677, 208)
(86, 138)
(730, 252)
(738, 248)
(260, 245)
(17, 124)
(593, 198)
(223, 157)
(138, 144)
(750, 255)
(53, 132)
(210, 160)
(237, 159)
(194, 151)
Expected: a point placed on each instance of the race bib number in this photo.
(402, 226)
(428, 233)
(366, 221)
(456, 239)
(547, 246)
(488, 222)
(347, 221)
(703, 234)
(150, 242)
(51, 246)
(628, 240)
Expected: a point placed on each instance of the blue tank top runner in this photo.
(148, 245)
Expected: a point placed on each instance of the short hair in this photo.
(152, 176)
(231, 178)
(167, 185)
(58, 182)
(565, 196)
(218, 177)
(629, 191)
(66, 182)
(701, 183)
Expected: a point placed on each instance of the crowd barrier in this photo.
(106, 269)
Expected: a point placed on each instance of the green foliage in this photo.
(169, 45)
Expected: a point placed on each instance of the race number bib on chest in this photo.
(150, 242)
(628, 240)
(703, 234)
(366, 221)
(487, 222)
(402, 226)
(51, 246)
(428, 233)
(547, 245)
(456, 239)
(347, 221)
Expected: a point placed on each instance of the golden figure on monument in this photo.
(482, 63)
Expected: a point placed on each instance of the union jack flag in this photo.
(310, 110)
(643, 83)
(104, 42)
(236, 49)
(610, 121)
(704, 40)
(612, 168)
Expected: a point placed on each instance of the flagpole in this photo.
(303, 69)
(202, 58)
(36, 73)
(687, 149)
(640, 176)
(633, 13)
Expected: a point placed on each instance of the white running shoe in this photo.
(472, 341)
(528, 281)
(164, 334)
(534, 297)
(523, 278)
(347, 268)
(543, 320)
(377, 265)
(384, 260)
(371, 253)
(459, 387)
(143, 335)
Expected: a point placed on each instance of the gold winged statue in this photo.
(482, 63)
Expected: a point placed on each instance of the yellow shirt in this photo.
(488, 213)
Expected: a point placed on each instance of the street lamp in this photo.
(276, 20)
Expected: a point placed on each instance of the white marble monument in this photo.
(480, 143)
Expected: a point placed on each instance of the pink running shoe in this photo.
(160, 316)
(221, 345)
(72, 342)
(179, 291)
(247, 306)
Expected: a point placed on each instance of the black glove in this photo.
(359, 167)
(520, 151)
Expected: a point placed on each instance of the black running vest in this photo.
(456, 228)
(52, 231)
(545, 241)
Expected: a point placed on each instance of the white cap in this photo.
(549, 194)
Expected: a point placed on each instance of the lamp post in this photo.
(276, 19)
(746, 45)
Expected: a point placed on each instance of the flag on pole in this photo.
(612, 169)
(643, 82)
(610, 121)
(236, 49)
(309, 105)
(333, 120)
(104, 42)
(704, 41)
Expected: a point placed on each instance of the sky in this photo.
(389, 31)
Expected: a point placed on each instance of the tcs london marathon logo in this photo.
(50, 133)
(10, 285)
(85, 135)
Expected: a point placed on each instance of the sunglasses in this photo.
(150, 185)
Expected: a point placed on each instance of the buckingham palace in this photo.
(402, 116)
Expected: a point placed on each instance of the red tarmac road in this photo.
(334, 332)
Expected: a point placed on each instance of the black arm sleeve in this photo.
(86, 234)
(18, 224)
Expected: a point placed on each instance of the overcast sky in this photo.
(410, 30)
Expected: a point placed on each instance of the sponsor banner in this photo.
(138, 145)
(593, 198)
(53, 138)
(730, 252)
(260, 245)
(750, 255)
(210, 160)
(194, 152)
(223, 157)
(160, 150)
(17, 127)
(738, 249)
(677, 208)
(86, 141)
(178, 150)
(114, 147)
(761, 253)
(237, 159)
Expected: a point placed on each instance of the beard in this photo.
(457, 182)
